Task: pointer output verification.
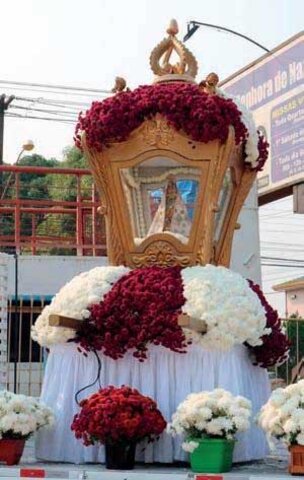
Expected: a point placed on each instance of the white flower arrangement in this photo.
(219, 297)
(73, 300)
(215, 414)
(20, 416)
(223, 300)
(251, 146)
(282, 417)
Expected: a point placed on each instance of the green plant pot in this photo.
(212, 455)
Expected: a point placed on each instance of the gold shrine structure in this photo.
(169, 200)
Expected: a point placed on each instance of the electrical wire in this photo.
(281, 265)
(45, 110)
(97, 379)
(282, 258)
(51, 119)
(54, 87)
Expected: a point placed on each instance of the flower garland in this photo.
(282, 417)
(201, 116)
(215, 414)
(73, 300)
(20, 416)
(141, 309)
(275, 347)
(117, 415)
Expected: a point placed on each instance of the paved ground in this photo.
(274, 467)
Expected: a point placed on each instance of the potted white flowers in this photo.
(20, 416)
(209, 421)
(282, 418)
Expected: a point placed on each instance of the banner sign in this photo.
(273, 89)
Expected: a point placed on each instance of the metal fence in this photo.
(3, 318)
(293, 369)
(26, 369)
(25, 358)
(50, 211)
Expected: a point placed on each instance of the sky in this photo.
(77, 43)
(88, 43)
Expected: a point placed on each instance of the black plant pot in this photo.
(120, 456)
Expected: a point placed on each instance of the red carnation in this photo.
(201, 116)
(275, 347)
(141, 309)
(120, 414)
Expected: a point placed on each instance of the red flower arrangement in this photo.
(141, 308)
(263, 146)
(275, 347)
(117, 415)
(186, 107)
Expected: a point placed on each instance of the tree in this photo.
(33, 186)
(64, 187)
(294, 326)
(58, 187)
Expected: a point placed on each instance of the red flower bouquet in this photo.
(117, 416)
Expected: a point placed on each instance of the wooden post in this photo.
(195, 324)
(66, 322)
(17, 214)
(79, 219)
(298, 198)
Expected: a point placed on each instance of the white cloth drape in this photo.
(165, 376)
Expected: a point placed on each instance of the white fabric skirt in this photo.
(167, 377)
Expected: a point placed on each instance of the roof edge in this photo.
(290, 285)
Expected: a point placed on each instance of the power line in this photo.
(272, 242)
(55, 87)
(31, 117)
(282, 231)
(285, 259)
(74, 94)
(45, 110)
(281, 265)
(56, 102)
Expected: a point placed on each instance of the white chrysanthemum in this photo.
(216, 413)
(189, 446)
(22, 415)
(73, 301)
(290, 426)
(223, 300)
(251, 146)
(282, 417)
(300, 438)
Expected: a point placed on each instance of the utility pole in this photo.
(4, 104)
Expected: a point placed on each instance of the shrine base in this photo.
(165, 376)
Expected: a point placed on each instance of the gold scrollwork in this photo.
(160, 253)
(158, 132)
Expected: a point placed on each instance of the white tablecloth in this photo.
(167, 377)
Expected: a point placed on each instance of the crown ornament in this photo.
(171, 186)
(184, 70)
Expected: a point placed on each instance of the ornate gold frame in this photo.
(154, 138)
